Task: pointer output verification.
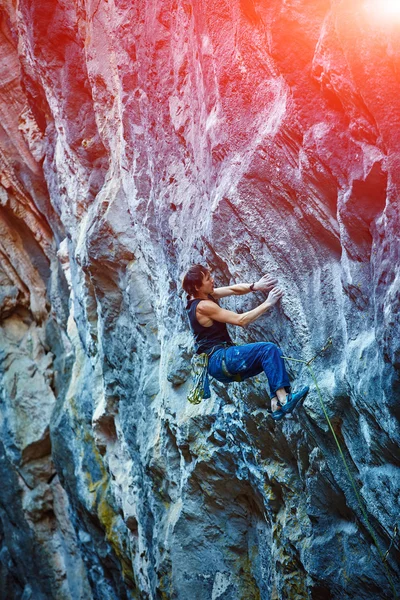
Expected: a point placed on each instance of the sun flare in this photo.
(391, 7)
(384, 9)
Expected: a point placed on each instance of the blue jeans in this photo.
(249, 360)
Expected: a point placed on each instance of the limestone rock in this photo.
(136, 139)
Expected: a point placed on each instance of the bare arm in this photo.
(264, 284)
(211, 310)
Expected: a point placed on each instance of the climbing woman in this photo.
(227, 362)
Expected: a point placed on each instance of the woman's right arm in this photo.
(211, 310)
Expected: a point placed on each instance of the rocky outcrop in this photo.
(136, 139)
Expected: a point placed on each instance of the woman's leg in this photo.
(215, 366)
(249, 360)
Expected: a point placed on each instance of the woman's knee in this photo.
(269, 348)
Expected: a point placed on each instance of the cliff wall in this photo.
(137, 138)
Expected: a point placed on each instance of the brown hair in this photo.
(193, 279)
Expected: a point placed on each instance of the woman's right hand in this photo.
(274, 296)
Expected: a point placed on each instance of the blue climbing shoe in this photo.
(293, 400)
(277, 415)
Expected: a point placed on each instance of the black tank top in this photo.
(206, 338)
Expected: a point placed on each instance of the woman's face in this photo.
(207, 286)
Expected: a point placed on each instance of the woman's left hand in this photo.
(265, 284)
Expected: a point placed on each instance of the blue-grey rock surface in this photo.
(137, 138)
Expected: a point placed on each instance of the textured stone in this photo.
(135, 139)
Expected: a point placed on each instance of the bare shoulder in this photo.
(205, 312)
(204, 306)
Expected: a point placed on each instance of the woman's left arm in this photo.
(265, 284)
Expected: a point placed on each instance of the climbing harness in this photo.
(382, 556)
(225, 371)
(201, 385)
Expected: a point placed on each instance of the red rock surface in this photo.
(135, 139)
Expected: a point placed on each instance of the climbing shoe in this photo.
(277, 415)
(293, 400)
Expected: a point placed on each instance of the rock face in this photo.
(137, 138)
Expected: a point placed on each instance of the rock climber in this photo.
(227, 362)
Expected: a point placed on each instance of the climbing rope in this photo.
(395, 532)
(382, 556)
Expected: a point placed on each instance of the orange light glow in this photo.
(384, 9)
